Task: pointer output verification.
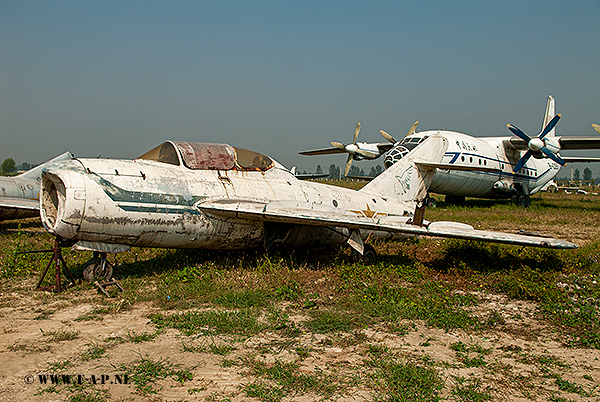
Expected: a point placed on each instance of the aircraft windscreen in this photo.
(250, 160)
(165, 153)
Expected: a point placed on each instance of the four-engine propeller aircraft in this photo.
(215, 196)
(492, 167)
(20, 195)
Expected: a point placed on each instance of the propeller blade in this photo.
(412, 128)
(356, 131)
(366, 154)
(523, 161)
(338, 145)
(387, 136)
(518, 132)
(596, 127)
(553, 156)
(348, 164)
(549, 126)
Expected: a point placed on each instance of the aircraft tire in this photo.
(92, 270)
(455, 199)
(521, 200)
(369, 256)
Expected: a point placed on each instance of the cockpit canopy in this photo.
(400, 150)
(208, 156)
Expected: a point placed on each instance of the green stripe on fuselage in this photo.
(118, 194)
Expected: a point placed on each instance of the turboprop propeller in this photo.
(537, 144)
(353, 150)
(391, 139)
(596, 127)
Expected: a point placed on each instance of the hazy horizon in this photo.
(117, 78)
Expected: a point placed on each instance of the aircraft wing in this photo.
(382, 146)
(573, 159)
(19, 203)
(322, 151)
(566, 143)
(318, 215)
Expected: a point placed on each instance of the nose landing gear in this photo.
(97, 268)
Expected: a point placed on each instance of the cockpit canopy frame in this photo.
(208, 156)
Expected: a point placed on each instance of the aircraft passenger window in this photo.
(250, 160)
(462, 158)
(165, 153)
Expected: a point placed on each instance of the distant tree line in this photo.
(9, 167)
(335, 171)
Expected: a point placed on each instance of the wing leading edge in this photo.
(317, 215)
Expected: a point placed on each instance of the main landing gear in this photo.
(369, 256)
(521, 200)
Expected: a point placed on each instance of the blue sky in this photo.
(115, 78)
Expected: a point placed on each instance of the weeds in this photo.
(280, 379)
(145, 373)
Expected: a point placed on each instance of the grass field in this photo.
(432, 320)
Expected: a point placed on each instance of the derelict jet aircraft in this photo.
(20, 195)
(215, 196)
(492, 167)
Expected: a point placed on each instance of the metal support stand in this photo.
(57, 259)
(102, 286)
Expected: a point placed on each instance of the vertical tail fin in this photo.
(549, 115)
(407, 180)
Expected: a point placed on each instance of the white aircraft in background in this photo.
(493, 167)
(20, 195)
(356, 150)
(215, 196)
